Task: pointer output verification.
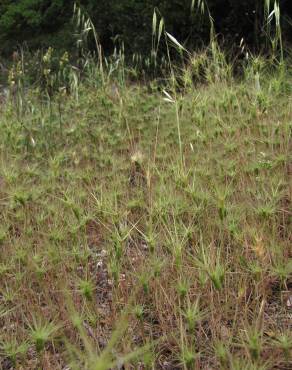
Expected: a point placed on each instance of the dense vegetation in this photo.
(145, 207)
(48, 23)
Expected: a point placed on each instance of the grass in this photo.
(147, 225)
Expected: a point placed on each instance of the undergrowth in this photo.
(146, 226)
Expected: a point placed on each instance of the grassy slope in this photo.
(99, 215)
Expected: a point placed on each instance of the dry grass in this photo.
(118, 253)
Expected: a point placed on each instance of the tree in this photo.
(48, 22)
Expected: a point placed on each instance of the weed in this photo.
(165, 201)
(41, 332)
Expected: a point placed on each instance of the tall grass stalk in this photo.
(84, 26)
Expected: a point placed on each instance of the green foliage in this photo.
(30, 13)
(32, 20)
(49, 23)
